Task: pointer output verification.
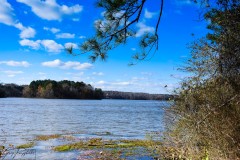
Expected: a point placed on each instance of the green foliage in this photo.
(204, 122)
(225, 25)
(10, 90)
(95, 143)
(62, 89)
(47, 137)
(2, 92)
(116, 27)
(27, 145)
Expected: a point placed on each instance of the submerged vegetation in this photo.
(97, 148)
(27, 145)
(47, 137)
(96, 143)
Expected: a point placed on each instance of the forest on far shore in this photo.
(71, 90)
(52, 89)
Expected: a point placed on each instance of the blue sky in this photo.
(34, 34)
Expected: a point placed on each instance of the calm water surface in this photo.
(21, 119)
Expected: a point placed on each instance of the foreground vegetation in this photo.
(204, 122)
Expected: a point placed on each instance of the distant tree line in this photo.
(52, 89)
(10, 90)
(136, 96)
(71, 90)
(62, 89)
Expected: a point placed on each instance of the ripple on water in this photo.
(22, 119)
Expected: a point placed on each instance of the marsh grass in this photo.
(116, 149)
(47, 137)
(26, 145)
(96, 143)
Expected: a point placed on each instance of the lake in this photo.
(21, 119)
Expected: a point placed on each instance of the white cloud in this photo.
(65, 35)
(69, 44)
(67, 65)
(55, 63)
(122, 83)
(12, 73)
(16, 63)
(26, 32)
(98, 73)
(143, 28)
(6, 15)
(51, 45)
(53, 30)
(148, 14)
(29, 43)
(82, 37)
(48, 45)
(50, 9)
(101, 82)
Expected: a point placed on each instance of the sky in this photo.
(35, 33)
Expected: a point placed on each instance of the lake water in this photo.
(21, 119)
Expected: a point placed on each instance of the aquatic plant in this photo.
(27, 145)
(47, 137)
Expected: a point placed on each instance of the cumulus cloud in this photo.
(65, 35)
(53, 30)
(69, 44)
(143, 28)
(6, 15)
(29, 43)
(67, 65)
(7, 18)
(51, 45)
(50, 9)
(47, 44)
(16, 63)
(26, 32)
